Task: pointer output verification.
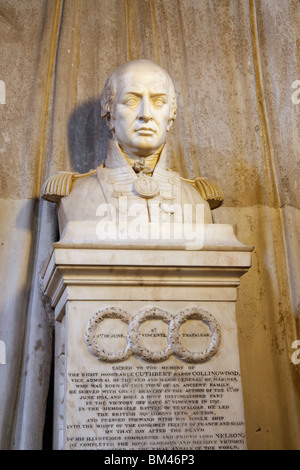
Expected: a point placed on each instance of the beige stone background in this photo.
(233, 63)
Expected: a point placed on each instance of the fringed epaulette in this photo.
(60, 185)
(208, 190)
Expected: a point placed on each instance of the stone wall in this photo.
(235, 68)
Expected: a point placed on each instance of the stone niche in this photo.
(146, 349)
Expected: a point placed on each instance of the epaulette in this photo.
(60, 185)
(208, 190)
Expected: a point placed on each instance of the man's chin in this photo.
(145, 147)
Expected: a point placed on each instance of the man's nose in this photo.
(145, 109)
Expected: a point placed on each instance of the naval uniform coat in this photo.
(110, 191)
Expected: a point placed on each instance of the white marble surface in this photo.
(135, 404)
(92, 271)
(190, 237)
(140, 403)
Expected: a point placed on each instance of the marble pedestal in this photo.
(146, 351)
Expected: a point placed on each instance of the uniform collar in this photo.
(116, 159)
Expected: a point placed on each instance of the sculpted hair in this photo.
(107, 98)
(110, 90)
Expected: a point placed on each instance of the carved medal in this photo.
(146, 187)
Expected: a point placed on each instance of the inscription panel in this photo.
(137, 404)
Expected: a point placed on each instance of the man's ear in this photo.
(110, 122)
(171, 120)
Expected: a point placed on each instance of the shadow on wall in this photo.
(88, 136)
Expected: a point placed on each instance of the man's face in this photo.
(142, 110)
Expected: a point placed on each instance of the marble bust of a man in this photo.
(139, 105)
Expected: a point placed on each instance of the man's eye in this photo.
(131, 101)
(158, 101)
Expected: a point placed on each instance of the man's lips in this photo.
(145, 130)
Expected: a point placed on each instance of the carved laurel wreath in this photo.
(134, 338)
(92, 342)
